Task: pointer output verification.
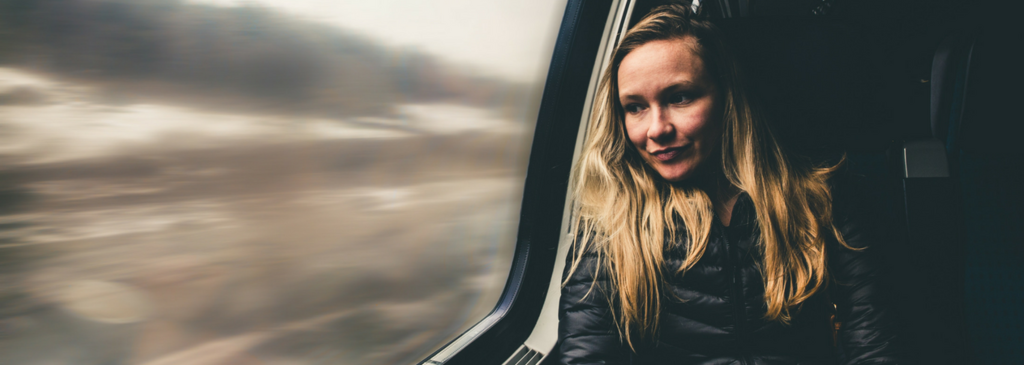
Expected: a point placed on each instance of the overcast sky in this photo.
(495, 36)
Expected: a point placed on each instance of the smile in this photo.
(669, 153)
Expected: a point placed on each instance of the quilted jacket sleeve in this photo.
(586, 331)
(867, 333)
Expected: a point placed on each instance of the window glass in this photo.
(260, 181)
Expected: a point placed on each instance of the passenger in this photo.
(700, 241)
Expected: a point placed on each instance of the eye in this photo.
(679, 98)
(632, 108)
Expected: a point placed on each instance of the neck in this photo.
(714, 183)
(723, 193)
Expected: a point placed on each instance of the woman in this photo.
(700, 241)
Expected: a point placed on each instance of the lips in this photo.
(668, 154)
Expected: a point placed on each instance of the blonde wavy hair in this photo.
(626, 213)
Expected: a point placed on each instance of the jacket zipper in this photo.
(737, 291)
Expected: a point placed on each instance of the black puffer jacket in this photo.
(721, 321)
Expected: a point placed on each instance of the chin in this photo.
(679, 170)
(675, 175)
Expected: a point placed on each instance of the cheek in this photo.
(703, 125)
(636, 133)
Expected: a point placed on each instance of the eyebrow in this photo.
(684, 84)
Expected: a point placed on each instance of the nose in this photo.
(661, 128)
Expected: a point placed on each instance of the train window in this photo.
(260, 181)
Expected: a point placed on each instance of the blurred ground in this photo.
(281, 254)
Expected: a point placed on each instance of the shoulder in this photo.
(859, 217)
(585, 268)
(858, 206)
(586, 328)
(847, 187)
(584, 272)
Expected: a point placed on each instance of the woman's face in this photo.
(670, 105)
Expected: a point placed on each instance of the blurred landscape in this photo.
(183, 183)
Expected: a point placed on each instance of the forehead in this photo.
(659, 64)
